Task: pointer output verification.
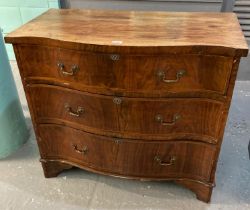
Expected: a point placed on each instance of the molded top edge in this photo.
(135, 29)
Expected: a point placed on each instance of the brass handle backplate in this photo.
(76, 113)
(170, 162)
(159, 118)
(73, 71)
(161, 74)
(83, 151)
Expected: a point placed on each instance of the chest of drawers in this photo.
(141, 95)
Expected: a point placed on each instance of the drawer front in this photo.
(171, 118)
(135, 74)
(158, 119)
(57, 104)
(127, 158)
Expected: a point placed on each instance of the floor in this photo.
(23, 186)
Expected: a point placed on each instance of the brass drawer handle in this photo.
(162, 76)
(73, 71)
(84, 151)
(171, 161)
(159, 118)
(76, 113)
(115, 57)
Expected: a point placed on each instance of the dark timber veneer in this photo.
(142, 95)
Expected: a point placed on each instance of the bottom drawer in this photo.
(124, 157)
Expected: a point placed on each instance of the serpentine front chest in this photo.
(142, 95)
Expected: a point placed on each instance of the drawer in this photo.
(139, 118)
(156, 75)
(154, 160)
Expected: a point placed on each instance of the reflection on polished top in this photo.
(137, 29)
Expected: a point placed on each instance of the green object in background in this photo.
(13, 128)
(14, 13)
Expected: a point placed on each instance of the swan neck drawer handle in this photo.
(76, 113)
(74, 69)
(171, 161)
(159, 118)
(161, 74)
(83, 151)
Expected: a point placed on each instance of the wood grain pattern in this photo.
(135, 74)
(123, 139)
(135, 31)
(48, 102)
(199, 118)
(225, 112)
(127, 157)
(203, 190)
(133, 118)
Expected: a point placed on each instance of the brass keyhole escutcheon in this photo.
(117, 100)
(115, 57)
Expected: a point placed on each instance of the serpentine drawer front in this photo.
(139, 74)
(142, 95)
(128, 157)
(162, 119)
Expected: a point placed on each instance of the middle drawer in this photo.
(139, 118)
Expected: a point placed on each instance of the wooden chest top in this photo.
(130, 31)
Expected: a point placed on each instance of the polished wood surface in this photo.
(200, 119)
(127, 157)
(136, 31)
(136, 75)
(146, 101)
(55, 104)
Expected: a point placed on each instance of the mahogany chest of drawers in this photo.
(141, 95)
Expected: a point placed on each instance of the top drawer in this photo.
(158, 75)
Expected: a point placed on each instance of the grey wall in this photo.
(160, 5)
